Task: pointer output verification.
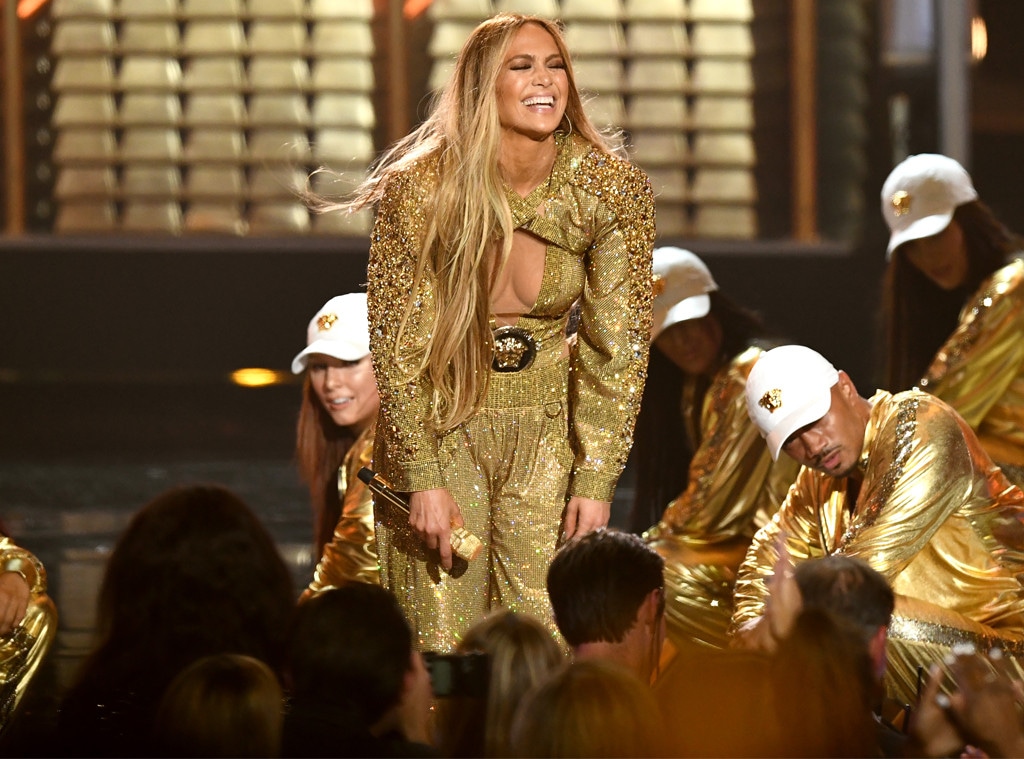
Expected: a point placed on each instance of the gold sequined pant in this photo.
(508, 469)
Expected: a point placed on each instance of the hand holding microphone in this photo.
(464, 544)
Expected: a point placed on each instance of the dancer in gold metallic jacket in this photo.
(337, 421)
(697, 446)
(494, 218)
(900, 481)
(954, 298)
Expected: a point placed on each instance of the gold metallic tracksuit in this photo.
(934, 515)
(733, 489)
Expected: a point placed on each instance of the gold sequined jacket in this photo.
(979, 370)
(596, 213)
(933, 515)
(733, 487)
(352, 553)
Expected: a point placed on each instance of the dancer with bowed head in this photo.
(704, 478)
(953, 299)
(902, 482)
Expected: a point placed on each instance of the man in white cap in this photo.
(900, 481)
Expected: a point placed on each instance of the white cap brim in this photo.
(926, 227)
(810, 412)
(694, 307)
(335, 348)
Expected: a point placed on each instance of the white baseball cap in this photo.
(339, 329)
(789, 387)
(681, 286)
(920, 195)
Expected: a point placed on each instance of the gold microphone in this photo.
(464, 544)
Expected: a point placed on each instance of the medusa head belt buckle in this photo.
(514, 349)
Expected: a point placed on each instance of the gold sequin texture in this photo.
(560, 426)
(934, 516)
(352, 553)
(979, 370)
(734, 488)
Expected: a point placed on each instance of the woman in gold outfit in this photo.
(954, 302)
(500, 212)
(697, 446)
(334, 439)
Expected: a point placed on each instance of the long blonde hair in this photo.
(522, 653)
(470, 213)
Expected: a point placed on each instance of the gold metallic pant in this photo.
(508, 469)
(699, 582)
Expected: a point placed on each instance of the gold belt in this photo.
(514, 349)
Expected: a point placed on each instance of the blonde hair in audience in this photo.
(591, 708)
(522, 654)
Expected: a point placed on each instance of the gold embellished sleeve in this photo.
(985, 354)
(734, 488)
(797, 520)
(406, 450)
(352, 553)
(609, 362)
(22, 562)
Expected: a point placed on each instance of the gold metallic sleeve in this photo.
(15, 559)
(609, 359)
(979, 370)
(797, 521)
(23, 650)
(352, 553)
(921, 473)
(407, 442)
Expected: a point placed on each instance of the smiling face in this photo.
(694, 345)
(532, 85)
(833, 444)
(942, 257)
(346, 389)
